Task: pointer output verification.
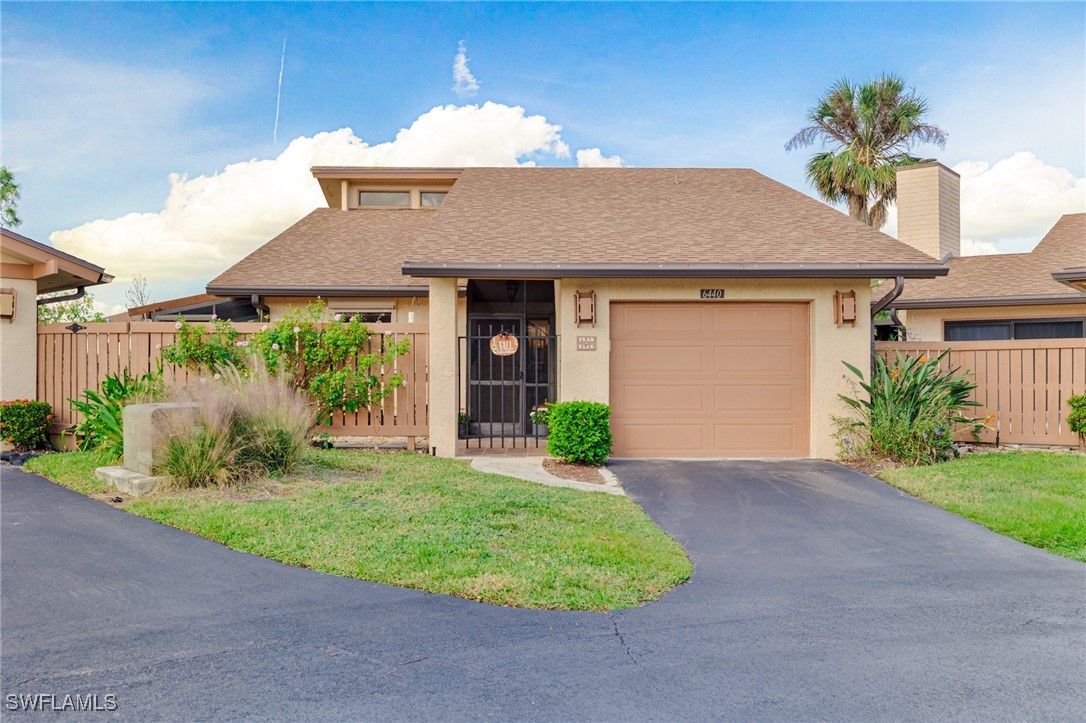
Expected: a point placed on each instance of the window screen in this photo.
(431, 199)
(1014, 329)
(384, 199)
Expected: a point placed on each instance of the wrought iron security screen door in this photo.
(496, 401)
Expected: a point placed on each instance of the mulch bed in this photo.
(574, 472)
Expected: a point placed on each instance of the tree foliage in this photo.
(870, 130)
(80, 310)
(9, 197)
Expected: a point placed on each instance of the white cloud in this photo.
(464, 83)
(594, 158)
(978, 248)
(1008, 206)
(211, 221)
(1013, 202)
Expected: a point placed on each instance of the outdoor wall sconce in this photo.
(512, 288)
(7, 304)
(844, 307)
(584, 307)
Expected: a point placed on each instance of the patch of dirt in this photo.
(871, 467)
(574, 472)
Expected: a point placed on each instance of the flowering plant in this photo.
(909, 411)
(23, 422)
(541, 413)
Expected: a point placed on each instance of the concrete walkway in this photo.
(531, 469)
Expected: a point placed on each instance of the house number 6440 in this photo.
(712, 293)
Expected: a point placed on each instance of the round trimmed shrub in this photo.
(579, 432)
(23, 423)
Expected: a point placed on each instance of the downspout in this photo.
(899, 286)
(78, 294)
(264, 309)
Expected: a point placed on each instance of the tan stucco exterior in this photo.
(927, 324)
(585, 374)
(19, 343)
(445, 329)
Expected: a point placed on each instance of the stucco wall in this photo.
(927, 324)
(446, 325)
(19, 343)
(586, 374)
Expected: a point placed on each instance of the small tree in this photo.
(138, 292)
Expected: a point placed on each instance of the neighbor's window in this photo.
(431, 199)
(1014, 329)
(384, 199)
(366, 317)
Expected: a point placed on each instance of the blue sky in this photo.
(102, 102)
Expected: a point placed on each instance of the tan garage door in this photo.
(716, 379)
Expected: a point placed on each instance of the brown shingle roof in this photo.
(646, 217)
(333, 252)
(1007, 278)
(685, 216)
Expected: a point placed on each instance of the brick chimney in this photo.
(929, 214)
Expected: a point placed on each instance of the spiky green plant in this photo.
(871, 129)
(102, 426)
(909, 411)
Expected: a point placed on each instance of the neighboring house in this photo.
(1001, 296)
(711, 308)
(199, 307)
(29, 268)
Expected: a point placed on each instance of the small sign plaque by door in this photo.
(586, 343)
(712, 293)
(504, 344)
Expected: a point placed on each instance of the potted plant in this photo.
(540, 416)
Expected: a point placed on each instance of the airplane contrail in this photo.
(279, 93)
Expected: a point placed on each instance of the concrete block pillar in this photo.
(444, 340)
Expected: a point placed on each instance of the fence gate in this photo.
(506, 367)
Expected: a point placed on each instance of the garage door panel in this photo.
(638, 359)
(755, 440)
(760, 320)
(666, 399)
(662, 439)
(760, 358)
(754, 398)
(710, 379)
(654, 319)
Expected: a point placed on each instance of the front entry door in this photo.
(495, 383)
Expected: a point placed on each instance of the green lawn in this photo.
(1035, 497)
(427, 523)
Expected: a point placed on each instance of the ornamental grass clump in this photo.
(909, 412)
(233, 427)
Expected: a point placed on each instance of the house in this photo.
(711, 308)
(1002, 296)
(29, 268)
(198, 307)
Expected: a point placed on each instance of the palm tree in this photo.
(871, 128)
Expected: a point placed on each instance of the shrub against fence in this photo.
(1025, 383)
(70, 362)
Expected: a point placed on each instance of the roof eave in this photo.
(635, 271)
(1075, 278)
(405, 290)
(1032, 300)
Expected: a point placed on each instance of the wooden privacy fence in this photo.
(70, 362)
(1025, 383)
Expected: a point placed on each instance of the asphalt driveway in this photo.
(818, 594)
